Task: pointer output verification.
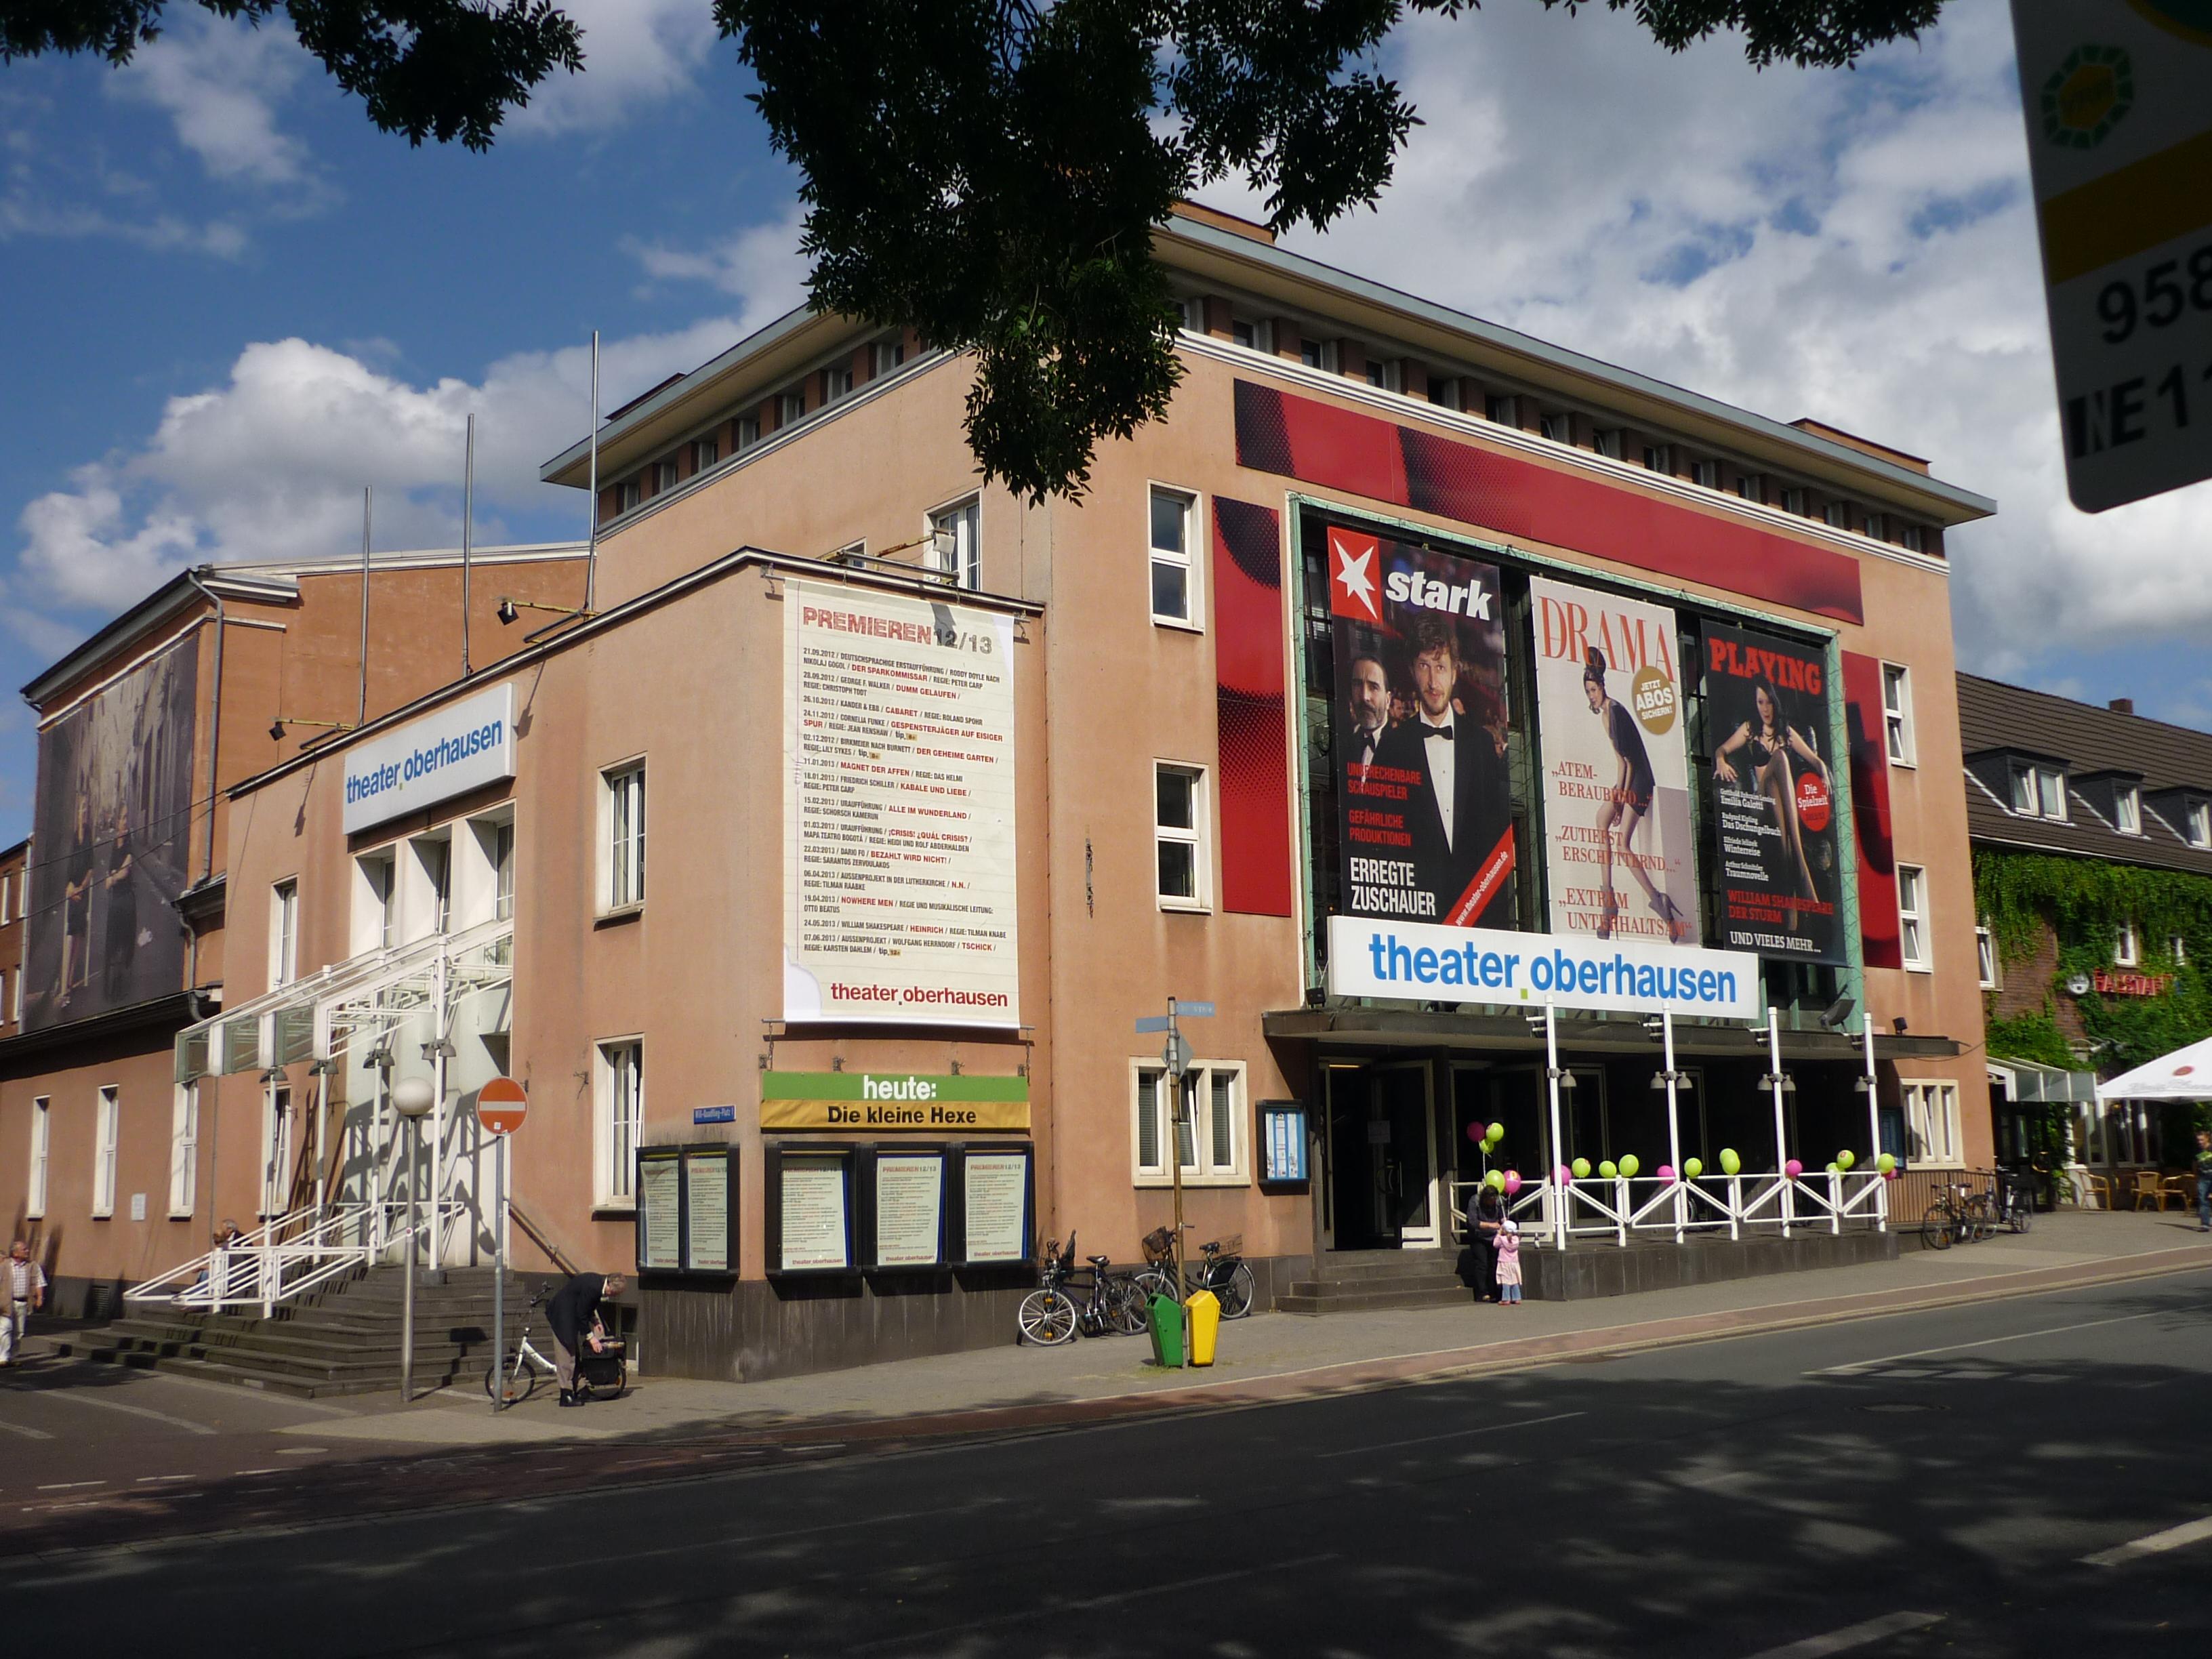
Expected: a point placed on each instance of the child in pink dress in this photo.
(1509, 1264)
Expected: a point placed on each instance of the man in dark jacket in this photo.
(574, 1313)
(1459, 813)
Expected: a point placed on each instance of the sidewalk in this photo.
(1281, 1355)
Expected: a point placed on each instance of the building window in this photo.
(955, 534)
(1560, 429)
(2023, 791)
(1916, 539)
(276, 1148)
(663, 477)
(2127, 809)
(790, 408)
(502, 871)
(889, 354)
(1313, 354)
(1897, 712)
(15, 1007)
(1179, 817)
(705, 452)
(7, 893)
(107, 1126)
(624, 790)
(620, 1096)
(1240, 332)
(2050, 792)
(42, 1142)
(1912, 916)
(2127, 947)
(1706, 473)
(2178, 948)
(1505, 411)
(1985, 956)
(1659, 457)
(434, 857)
(1794, 501)
(748, 431)
(284, 934)
(1750, 486)
(184, 1149)
(1174, 596)
(629, 493)
(2197, 816)
(379, 928)
(1447, 392)
(1877, 526)
(1209, 1132)
(1838, 515)
(836, 383)
(1931, 1117)
(1608, 442)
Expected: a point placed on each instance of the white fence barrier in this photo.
(1646, 1207)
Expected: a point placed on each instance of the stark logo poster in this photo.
(1620, 860)
(1419, 733)
(1774, 795)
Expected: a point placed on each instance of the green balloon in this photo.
(1845, 1159)
(1886, 1163)
(1730, 1163)
(1691, 1169)
(1609, 1169)
(1629, 1165)
(1496, 1180)
(1494, 1134)
(1834, 1167)
(1581, 1168)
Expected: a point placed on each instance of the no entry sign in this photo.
(501, 1105)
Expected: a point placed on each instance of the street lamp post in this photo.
(412, 1098)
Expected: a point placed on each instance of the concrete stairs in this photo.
(1349, 1281)
(343, 1339)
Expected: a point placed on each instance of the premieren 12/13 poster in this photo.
(1419, 733)
(1774, 795)
(1619, 856)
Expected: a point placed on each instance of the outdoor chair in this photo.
(2147, 1188)
(2181, 1189)
(2099, 1192)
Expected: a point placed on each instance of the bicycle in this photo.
(1048, 1316)
(512, 1384)
(2015, 1202)
(1958, 1215)
(1222, 1270)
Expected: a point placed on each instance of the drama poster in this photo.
(1620, 860)
(1774, 795)
(111, 845)
(1419, 733)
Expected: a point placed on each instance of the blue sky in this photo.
(236, 302)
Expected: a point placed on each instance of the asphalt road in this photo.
(1977, 1481)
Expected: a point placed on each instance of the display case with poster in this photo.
(905, 1208)
(996, 1206)
(660, 1214)
(1419, 733)
(807, 1192)
(1772, 744)
(1620, 858)
(710, 1210)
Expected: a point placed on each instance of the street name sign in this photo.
(2119, 140)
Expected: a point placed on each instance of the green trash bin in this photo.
(1167, 1333)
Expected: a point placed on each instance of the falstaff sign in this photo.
(870, 1102)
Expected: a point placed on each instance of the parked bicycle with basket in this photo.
(1051, 1315)
(1220, 1268)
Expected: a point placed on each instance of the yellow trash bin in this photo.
(1204, 1325)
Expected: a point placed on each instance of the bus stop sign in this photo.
(501, 1105)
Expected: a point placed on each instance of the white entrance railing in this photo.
(287, 1257)
(1623, 1206)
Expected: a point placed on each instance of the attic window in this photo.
(2127, 809)
(2039, 792)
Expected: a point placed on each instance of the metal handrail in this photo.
(262, 1266)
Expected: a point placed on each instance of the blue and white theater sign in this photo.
(466, 744)
(1421, 962)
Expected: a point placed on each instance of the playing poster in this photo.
(1418, 733)
(1620, 859)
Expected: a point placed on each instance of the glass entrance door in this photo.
(1406, 1161)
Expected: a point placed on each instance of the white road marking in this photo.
(70, 1485)
(25, 1429)
(149, 1480)
(272, 1471)
(1454, 1434)
(78, 1398)
(928, 1640)
(1856, 1636)
(1986, 1342)
(2173, 1538)
(300, 1451)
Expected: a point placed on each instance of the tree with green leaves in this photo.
(988, 171)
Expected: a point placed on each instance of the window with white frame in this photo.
(2197, 823)
(1911, 914)
(42, 1144)
(1659, 457)
(1838, 515)
(285, 933)
(836, 382)
(7, 893)
(1794, 501)
(621, 792)
(1931, 1118)
(1209, 1131)
(2127, 945)
(2127, 808)
(1897, 712)
(1242, 333)
(2023, 791)
(502, 870)
(629, 493)
(889, 354)
(705, 452)
(1985, 956)
(1313, 353)
(748, 432)
(663, 477)
(4, 987)
(16, 1003)
(1608, 442)
(1504, 409)
(107, 1128)
(1179, 818)
(619, 1106)
(1174, 597)
(955, 542)
(275, 1147)
(1750, 487)
(434, 858)
(2178, 948)
(1916, 539)
(184, 1149)
(790, 407)
(1560, 429)
(1877, 526)
(2050, 792)
(376, 924)
(1707, 473)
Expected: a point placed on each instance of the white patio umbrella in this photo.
(2185, 1074)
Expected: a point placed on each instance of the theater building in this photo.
(814, 877)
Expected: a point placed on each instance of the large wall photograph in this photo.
(110, 846)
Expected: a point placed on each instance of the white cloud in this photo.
(220, 82)
(1855, 246)
(759, 264)
(638, 54)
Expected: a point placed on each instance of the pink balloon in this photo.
(1892, 1173)
(1475, 1132)
(1666, 1172)
(1564, 1176)
(1513, 1180)
(1793, 1169)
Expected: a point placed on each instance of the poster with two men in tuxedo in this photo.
(1426, 824)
